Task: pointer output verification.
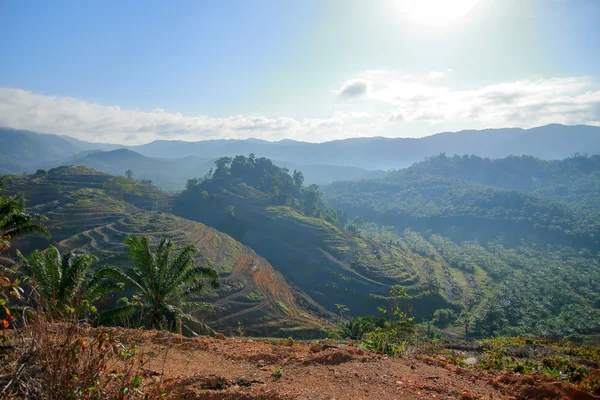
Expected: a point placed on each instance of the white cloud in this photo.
(94, 122)
(384, 103)
(524, 103)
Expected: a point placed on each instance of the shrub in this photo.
(71, 360)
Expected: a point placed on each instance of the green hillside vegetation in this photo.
(534, 236)
(88, 213)
(468, 257)
(575, 180)
(465, 210)
(267, 208)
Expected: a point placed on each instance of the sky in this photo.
(131, 72)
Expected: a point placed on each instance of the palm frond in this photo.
(116, 313)
(195, 306)
(117, 274)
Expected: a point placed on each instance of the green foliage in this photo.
(391, 337)
(469, 198)
(15, 222)
(277, 372)
(575, 180)
(386, 340)
(262, 174)
(443, 317)
(63, 283)
(122, 186)
(167, 283)
(356, 328)
(575, 373)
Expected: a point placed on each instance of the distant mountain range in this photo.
(171, 163)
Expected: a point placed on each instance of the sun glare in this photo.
(435, 12)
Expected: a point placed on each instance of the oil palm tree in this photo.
(63, 281)
(166, 282)
(15, 222)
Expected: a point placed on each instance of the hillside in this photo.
(539, 244)
(84, 215)
(575, 180)
(465, 211)
(303, 238)
(172, 174)
(516, 262)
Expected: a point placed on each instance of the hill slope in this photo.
(84, 216)
(539, 244)
(260, 205)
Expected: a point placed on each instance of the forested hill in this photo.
(575, 180)
(539, 242)
(470, 198)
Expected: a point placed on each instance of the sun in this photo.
(435, 12)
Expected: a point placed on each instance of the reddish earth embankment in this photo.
(235, 368)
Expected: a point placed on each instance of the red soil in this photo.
(235, 368)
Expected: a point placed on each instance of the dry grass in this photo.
(71, 360)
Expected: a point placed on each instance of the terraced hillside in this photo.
(331, 264)
(82, 216)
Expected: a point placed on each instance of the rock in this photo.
(315, 348)
(470, 361)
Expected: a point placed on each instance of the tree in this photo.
(298, 179)
(443, 317)
(15, 222)
(222, 165)
(166, 283)
(62, 281)
(466, 318)
(129, 174)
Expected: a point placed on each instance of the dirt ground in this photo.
(237, 368)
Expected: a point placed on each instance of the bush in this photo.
(71, 360)
(444, 317)
(386, 340)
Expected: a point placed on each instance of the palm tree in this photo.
(166, 284)
(62, 281)
(15, 222)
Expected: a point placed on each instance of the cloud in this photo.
(99, 123)
(353, 88)
(384, 103)
(525, 103)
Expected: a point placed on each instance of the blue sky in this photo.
(314, 70)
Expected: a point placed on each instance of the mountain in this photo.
(27, 151)
(546, 142)
(85, 213)
(167, 174)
